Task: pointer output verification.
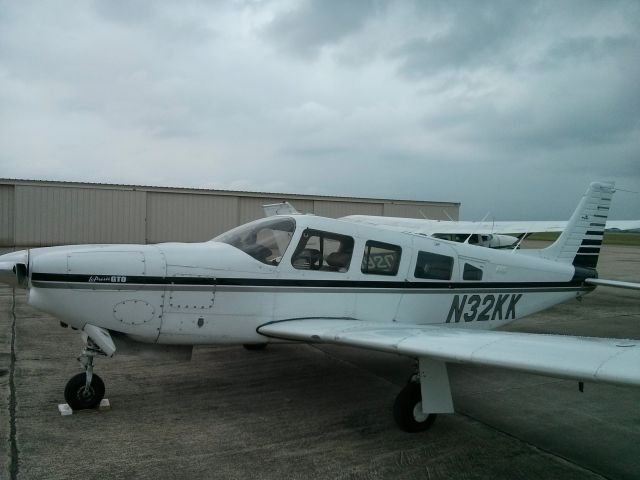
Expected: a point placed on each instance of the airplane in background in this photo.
(303, 278)
(498, 234)
(494, 234)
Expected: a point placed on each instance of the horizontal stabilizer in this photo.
(613, 283)
(580, 358)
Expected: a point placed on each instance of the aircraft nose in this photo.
(14, 268)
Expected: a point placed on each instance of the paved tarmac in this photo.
(300, 411)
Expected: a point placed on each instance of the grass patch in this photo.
(610, 238)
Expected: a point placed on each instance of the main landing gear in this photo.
(426, 394)
(85, 390)
(407, 409)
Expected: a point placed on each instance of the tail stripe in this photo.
(586, 260)
(580, 243)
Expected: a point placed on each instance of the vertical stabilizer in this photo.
(580, 242)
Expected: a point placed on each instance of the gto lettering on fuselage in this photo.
(107, 279)
(482, 308)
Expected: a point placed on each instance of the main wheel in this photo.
(255, 346)
(407, 410)
(79, 396)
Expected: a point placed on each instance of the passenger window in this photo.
(433, 266)
(381, 258)
(471, 273)
(325, 251)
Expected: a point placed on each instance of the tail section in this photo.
(580, 242)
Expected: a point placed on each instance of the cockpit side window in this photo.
(265, 240)
(433, 266)
(471, 273)
(324, 251)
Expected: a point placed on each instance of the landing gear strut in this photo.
(85, 390)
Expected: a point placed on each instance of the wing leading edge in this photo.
(579, 358)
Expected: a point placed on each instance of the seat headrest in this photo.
(339, 259)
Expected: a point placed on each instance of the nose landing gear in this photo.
(85, 390)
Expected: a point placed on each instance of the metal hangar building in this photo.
(36, 213)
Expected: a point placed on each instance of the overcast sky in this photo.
(509, 107)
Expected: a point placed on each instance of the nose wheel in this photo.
(85, 390)
(81, 394)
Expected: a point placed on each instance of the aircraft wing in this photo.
(429, 227)
(579, 358)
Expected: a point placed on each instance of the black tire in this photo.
(79, 397)
(255, 346)
(407, 410)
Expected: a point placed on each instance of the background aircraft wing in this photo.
(429, 227)
(552, 226)
(579, 358)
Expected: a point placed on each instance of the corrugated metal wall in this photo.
(435, 212)
(181, 217)
(34, 214)
(7, 209)
(334, 209)
(51, 215)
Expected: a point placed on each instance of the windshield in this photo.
(265, 240)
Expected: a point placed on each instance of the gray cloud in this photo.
(462, 35)
(488, 103)
(590, 48)
(313, 24)
(126, 11)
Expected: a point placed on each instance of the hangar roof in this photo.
(206, 191)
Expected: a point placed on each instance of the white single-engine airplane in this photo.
(499, 234)
(312, 279)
